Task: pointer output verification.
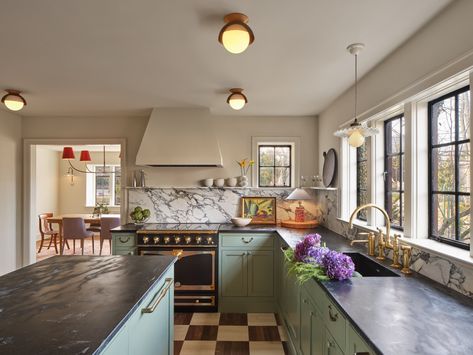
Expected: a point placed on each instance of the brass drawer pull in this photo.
(124, 241)
(156, 299)
(246, 241)
(333, 317)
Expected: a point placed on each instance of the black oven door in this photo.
(194, 270)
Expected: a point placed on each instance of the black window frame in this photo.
(454, 242)
(387, 184)
(274, 166)
(358, 189)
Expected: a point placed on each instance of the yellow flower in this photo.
(243, 163)
(252, 162)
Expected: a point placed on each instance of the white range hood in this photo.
(177, 137)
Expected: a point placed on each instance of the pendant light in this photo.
(68, 154)
(357, 132)
(237, 100)
(13, 100)
(236, 35)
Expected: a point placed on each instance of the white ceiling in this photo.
(77, 148)
(108, 57)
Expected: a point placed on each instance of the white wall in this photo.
(47, 181)
(10, 191)
(444, 39)
(72, 198)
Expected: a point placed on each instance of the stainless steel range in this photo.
(195, 272)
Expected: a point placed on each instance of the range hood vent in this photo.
(177, 137)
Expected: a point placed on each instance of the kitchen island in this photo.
(87, 305)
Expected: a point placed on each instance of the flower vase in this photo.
(243, 181)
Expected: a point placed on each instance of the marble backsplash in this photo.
(450, 273)
(209, 205)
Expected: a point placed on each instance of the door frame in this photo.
(29, 223)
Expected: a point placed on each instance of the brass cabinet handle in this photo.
(305, 301)
(157, 298)
(246, 241)
(242, 254)
(333, 317)
(124, 241)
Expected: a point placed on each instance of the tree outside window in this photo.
(362, 179)
(104, 186)
(274, 165)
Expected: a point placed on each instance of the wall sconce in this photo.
(70, 175)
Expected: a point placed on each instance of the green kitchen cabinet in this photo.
(331, 346)
(234, 273)
(356, 344)
(290, 303)
(260, 273)
(124, 243)
(312, 328)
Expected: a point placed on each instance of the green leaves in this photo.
(304, 271)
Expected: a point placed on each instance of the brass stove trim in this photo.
(196, 304)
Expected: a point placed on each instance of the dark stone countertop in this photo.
(73, 304)
(126, 228)
(396, 315)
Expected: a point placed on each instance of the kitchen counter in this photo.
(127, 228)
(73, 304)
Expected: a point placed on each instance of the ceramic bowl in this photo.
(208, 182)
(219, 182)
(231, 182)
(241, 222)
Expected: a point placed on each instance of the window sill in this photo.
(442, 250)
(364, 226)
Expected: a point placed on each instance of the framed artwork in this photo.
(262, 210)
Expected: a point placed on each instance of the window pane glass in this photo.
(361, 153)
(282, 176)
(394, 172)
(443, 221)
(362, 175)
(443, 121)
(266, 177)
(464, 115)
(402, 208)
(443, 168)
(464, 167)
(393, 136)
(464, 224)
(117, 185)
(395, 201)
(282, 156)
(266, 156)
(103, 188)
(362, 199)
(403, 133)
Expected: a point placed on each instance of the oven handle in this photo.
(156, 299)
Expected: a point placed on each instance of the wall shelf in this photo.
(322, 188)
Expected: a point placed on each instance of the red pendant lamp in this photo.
(68, 153)
(85, 156)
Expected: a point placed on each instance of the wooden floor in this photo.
(47, 253)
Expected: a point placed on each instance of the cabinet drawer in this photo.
(248, 240)
(124, 240)
(316, 293)
(335, 322)
(125, 251)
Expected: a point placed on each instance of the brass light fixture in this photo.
(357, 131)
(236, 35)
(237, 100)
(13, 100)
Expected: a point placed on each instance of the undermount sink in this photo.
(368, 267)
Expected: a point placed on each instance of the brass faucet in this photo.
(406, 259)
(396, 245)
(371, 242)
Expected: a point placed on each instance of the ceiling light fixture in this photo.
(357, 132)
(236, 35)
(68, 154)
(237, 100)
(13, 100)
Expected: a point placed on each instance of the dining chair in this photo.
(94, 228)
(74, 228)
(106, 224)
(46, 230)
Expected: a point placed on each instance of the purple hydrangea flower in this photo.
(338, 266)
(318, 254)
(310, 241)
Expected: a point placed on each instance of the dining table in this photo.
(88, 219)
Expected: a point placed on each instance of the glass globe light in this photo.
(356, 139)
(237, 100)
(236, 35)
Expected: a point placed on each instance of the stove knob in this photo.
(177, 240)
(198, 240)
(145, 240)
(188, 240)
(209, 240)
(166, 240)
(156, 240)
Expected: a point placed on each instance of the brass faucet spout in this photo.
(387, 241)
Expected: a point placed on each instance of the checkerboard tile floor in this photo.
(229, 334)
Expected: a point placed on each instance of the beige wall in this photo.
(72, 198)
(10, 191)
(47, 181)
(233, 132)
(444, 39)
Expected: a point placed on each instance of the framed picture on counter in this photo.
(261, 210)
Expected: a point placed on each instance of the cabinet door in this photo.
(312, 327)
(260, 273)
(234, 273)
(356, 344)
(119, 344)
(331, 346)
(151, 330)
(291, 304)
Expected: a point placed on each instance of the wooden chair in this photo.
(46, 230)
(106, 224)
(74, 228)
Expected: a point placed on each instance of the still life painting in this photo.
(262, 210)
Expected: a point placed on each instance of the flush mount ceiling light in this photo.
(357, 132)
(13, 100)
(237, 100)
(236, 35)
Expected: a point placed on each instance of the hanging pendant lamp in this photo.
(357, 132)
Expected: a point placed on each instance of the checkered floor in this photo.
(229, 334)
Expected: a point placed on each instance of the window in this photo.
(394, 170)
(104, 186)
(449, 168)
(274, 165)
(362, 179)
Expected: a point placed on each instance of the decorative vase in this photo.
(219, 182)
(243, 181)
(231, 182)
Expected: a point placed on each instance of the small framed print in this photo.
(261, 210)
